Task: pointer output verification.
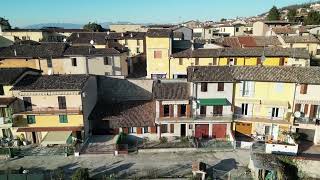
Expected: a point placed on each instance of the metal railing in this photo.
(250, 117)
(52, 110)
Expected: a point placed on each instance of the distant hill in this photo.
(71, 25)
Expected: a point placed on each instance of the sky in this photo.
(26, 12)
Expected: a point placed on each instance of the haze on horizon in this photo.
(24, 13)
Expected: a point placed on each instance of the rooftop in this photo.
(171, 90)
(159, 33)
(90, 51)
(71, 82)
(10, 75)
(301, 39)
(286, 74)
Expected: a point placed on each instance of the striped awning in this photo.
(313, 102)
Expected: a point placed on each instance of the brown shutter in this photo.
(306, 108)
(258, 60)
(297, 107)
(281, 61)
(188, 110)
(125, 130)
(171, 128)
(139, 130)
(235, 61)
(153, 129)
(303, 89)
(171, 110)
(161, 109)
(312, 111)
(179, 110)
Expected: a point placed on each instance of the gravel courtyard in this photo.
(163, 164)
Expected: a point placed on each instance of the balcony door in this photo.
(62, 102)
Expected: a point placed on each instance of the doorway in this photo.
(34, 137)
(183, 130)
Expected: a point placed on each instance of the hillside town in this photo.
(244, 91)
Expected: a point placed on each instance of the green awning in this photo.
(214, 102)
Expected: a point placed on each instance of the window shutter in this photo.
(312, 111)
(179, 110)
(171, 110)
(281, 112)
(153, 129)
(297, 107)
(241, 88)
(250, 109)
(161, 109)
(171, 128)
(139, 130)
(188, 110)
(270, 112)
(251, 88)
(303, 89)
(306, 109)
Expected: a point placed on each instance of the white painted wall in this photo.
(280, 148)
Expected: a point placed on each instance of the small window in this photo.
(217, 110)
(171, 128)
(275, 112)
(63, 118)
(49, 63)
(164, 128)
(157, 54)
(180, 61)
(1, 90)
(138, 43)
(132, 130)
(303, 89)
(74, 61)
(220, 86)
(146, 129)
(31, 119)
(107, 60)
(107, 73)
(196, 61)
(62, 102)
(214, 61)
(237, 29)
(166, 110)
(138, 50)
(204, 87)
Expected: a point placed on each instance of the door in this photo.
(203, 110)
(202, 131)
(243, 128)
(34, 137)
(62, 102)
(219, 131)
(183, 130)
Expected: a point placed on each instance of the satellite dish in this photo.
(91, 42)
(297, 114)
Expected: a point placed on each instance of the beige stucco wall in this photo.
(35, 36)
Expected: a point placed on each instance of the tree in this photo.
(274, 14)
(223, 20)
(292, 15)
(5, 23)
(93, 27)
(81, 174)
(313, 18)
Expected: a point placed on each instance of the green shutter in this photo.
(31, 119)
(63, 118)
(214, 102)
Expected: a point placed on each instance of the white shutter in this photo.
(281, 113)
(251, 85)
(250, 109)
(241, 88)
(270, 112)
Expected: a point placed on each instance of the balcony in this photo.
(198, 118)
(51, 111)
(5, 122)
(261, 119)
(306, 122)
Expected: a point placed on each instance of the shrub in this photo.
(81, 174)
(163, 140)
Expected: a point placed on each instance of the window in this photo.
(132, 130)
(215, 61)
(63, 118)
(275, 112)
(183, 110)
(107, 60)
(180, 61)
(181, 76)
(204, 87)
(203, 110)
(107, 73)
(146, 129)
(27, 103)
(126, 41)
(166, 110)
(303, 89)
(231, 61)
(190, 126)
(138, 50)
(237, 29)
(1, 90)
(220, 86)
(49, 63)
(31, 119)
(158, 76)
(164, 128)
(217, 110)
(196, 61)
(74, 61)
(138, 43)
(247, 88)
(171, 128)
(62, 102)
(157, 54)
(244, 109)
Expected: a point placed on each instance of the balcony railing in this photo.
(52, 110)
(307, 120)
(220, 117)
(260, 118)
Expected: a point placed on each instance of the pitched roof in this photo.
(289, 74)
(128, 114)
(159, 33)
(301, 39)
(70, 82)
(243, 52)
(247, 41)
(284, 30)
(10, 75)
(267, 41)
(171, 90)
(102, 37)
(42, 50)
(90, 51)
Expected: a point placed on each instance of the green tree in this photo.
(5, 23)
(313, 18)
(274, 14)
(81, 174)
(292, 15)
(93, 27)
(223, 20)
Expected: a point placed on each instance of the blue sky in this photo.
(26, 12)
